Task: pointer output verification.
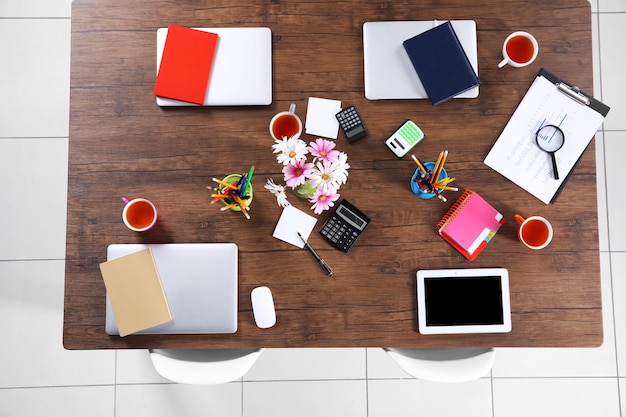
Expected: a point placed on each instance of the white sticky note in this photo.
(290, 223)
(320, 117)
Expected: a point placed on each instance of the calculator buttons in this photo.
(351, 124)
(338, 233)
(411, 134)
(344, 226)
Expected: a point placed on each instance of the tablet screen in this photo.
(463, 301)
(473, 300)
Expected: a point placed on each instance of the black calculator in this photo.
(344, 226)
(351, 124)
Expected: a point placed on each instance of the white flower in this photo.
(326, 176)
(278, 191)
(341, 167)
(290, 150)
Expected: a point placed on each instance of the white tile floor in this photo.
(39, 378)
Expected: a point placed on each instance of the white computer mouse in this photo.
(263, 307)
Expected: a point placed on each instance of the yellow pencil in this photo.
(440, 167)
(228, 207)
(444, 181)
(419, 164)
(242, 206)
(225, 184)
(446, 188)
(433, 178)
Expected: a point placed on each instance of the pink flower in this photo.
(297, 172)
(324, 150)
(323, 199)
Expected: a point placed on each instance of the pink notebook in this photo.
(470, 224)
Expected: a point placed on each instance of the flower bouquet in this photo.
(318, 180)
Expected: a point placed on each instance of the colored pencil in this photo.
(432, 178)
(446, 188)
(440, 166)
(225, 184)
(419, 164)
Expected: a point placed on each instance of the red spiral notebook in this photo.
(186, 64)
(470, 224)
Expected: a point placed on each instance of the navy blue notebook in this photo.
(441, 63)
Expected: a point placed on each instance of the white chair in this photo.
(444, 364)
(203, 366)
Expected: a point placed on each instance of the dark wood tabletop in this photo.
(122, 144)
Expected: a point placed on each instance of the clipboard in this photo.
(549, 100)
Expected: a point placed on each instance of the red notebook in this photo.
(470, 224)
(186, 64)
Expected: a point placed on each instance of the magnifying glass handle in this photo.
(554, 169)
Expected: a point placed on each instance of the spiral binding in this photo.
(454, 209)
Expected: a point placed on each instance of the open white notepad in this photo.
(516, 154)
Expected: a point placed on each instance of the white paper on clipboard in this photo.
(516, 155)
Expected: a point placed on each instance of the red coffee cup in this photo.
(534, 232)
(139, 214)
(286, 124)
(519, 49)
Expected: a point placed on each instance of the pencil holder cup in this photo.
(234, 179)
(416, 186)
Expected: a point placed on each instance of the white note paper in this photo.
(320, 117)
(290, 223)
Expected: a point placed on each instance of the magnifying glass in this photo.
(550, 139)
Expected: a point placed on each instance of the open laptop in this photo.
(200, 284)
(389, 73)
(242, 68)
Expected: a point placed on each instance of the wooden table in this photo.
(122, 144)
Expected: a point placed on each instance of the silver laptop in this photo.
(389, 73)
(200, 283)
(242, 68)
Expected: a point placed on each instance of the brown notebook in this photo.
(135, 292)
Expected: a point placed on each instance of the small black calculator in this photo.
(344, 226)
(351, 124)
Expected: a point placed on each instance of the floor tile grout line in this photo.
(62, 386)
(367, 386)
(35, 18)
(33, 260)
(33, 137)
(493, 395)
(115, 388)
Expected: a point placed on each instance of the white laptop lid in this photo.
(200, 283)
(242, 68)
(389, 73)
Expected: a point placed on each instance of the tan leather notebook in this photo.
(135, 292)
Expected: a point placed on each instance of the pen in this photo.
(320, 260)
